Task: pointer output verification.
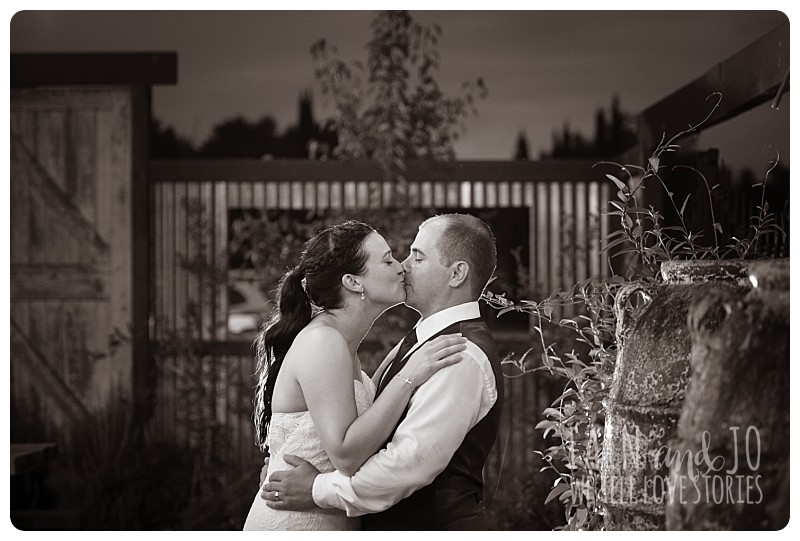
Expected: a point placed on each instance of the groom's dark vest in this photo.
(453, 500)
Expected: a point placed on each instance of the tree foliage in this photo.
(610, 138)
(165, 142)
(394, 109)
(238, 137)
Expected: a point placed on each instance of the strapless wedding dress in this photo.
(295, 434)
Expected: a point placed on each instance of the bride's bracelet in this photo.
(401, 378)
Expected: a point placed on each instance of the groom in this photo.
(429, 475)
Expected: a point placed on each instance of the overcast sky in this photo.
(542, 68)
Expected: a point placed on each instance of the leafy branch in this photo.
(394, 110)
(575, 418)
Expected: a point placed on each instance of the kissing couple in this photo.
(405, 449)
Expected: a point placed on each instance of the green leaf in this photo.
(556, 492)
(508, 309)
(654, 162)
(628, 221)
(683, 207)
(567, 323)
(614, 243)
(621, 185)
(553, 412)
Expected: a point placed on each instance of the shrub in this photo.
(575, 419)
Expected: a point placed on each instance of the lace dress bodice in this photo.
(295, 434)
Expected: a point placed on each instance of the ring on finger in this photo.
(277, 496)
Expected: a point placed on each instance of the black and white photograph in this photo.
(362, 269)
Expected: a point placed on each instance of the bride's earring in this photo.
(362, 296)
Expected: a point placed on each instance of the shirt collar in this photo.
(431, 325)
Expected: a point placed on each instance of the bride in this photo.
(312, 399)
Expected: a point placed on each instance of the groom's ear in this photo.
(459, 272)
(351, 283)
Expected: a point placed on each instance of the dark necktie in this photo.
(394, 367)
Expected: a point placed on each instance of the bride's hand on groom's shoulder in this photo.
(291, 489)
(432, 356)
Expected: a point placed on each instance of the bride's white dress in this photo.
(295, 434)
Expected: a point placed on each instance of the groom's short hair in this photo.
(468, 238)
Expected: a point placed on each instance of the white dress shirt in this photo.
(440, 413)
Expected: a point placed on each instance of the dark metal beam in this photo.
(747, 79)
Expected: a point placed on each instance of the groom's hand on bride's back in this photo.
(292, 486)
(263, 476)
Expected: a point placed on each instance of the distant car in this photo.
(246, 307)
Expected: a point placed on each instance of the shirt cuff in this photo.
(323, 491)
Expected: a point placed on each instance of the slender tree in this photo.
(394, 110)
(522, 147)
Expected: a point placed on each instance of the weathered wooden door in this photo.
(71, 238)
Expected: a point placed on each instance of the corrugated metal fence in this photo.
(204, 382)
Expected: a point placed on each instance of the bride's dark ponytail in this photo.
(315, 282)
(292, 314)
